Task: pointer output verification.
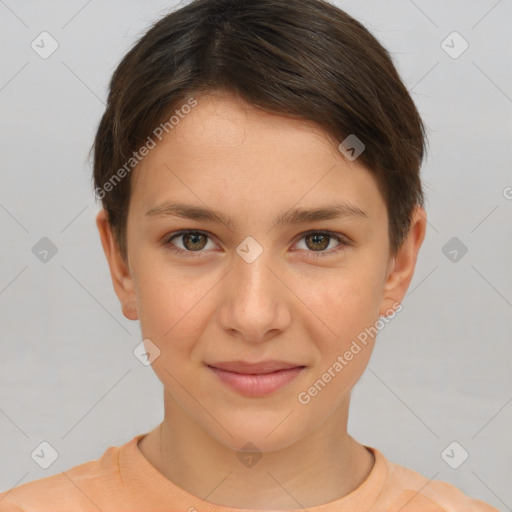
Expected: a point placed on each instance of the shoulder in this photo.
(416, 493)
(80, 488)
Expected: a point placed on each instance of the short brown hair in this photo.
(304, 59)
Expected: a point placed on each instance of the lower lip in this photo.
(258, 384)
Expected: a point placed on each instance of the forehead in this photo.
(226, 151)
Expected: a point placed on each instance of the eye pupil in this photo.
(319, 238)
(193, 237)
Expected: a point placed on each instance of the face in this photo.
(260, 280)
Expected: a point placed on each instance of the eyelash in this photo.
(343, 243)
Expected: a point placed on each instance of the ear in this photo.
(401, 268)
(119, 270)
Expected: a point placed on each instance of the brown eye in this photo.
(191, 242)
(318, 241)
(194, 241)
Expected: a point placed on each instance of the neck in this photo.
(320, 468)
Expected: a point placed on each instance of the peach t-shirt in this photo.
(124, 480)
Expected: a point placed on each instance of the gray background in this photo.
(441, 371)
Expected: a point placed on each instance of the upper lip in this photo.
(254, 368)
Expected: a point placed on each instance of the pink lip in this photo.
(255, 383)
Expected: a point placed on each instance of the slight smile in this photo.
(256, 379)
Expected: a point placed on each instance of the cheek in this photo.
(340, 316)
(341, 329)
(339, 304)
(169, 304)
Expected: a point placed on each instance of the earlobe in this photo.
(119, 271)
(401, 270)
(130, 311)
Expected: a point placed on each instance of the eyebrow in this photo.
(292, 216)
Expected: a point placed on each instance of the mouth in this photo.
(256, 379)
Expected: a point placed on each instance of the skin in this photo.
(287, 304)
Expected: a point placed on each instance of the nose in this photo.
(255, 305)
